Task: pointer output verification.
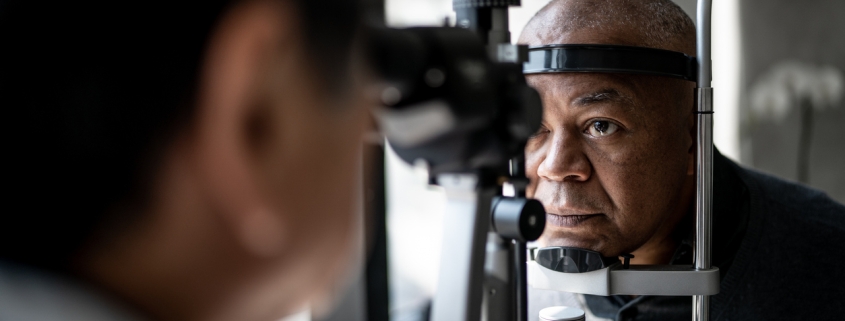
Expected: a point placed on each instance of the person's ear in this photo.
(229, 100)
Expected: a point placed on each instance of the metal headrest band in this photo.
(610, 59)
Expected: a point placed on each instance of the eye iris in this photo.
(601, 126)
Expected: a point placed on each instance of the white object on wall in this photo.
(727, 77)
(806, 87)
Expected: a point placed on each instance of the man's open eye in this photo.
(601, 128)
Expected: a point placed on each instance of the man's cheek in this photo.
(532, 163)
(531, 189)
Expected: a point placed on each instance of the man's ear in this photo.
(228, 102)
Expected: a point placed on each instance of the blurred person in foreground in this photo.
(177, 160)
(613, 164)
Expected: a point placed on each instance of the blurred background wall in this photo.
(794, 54)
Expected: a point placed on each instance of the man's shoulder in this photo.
(790, 255)
(787, 216)
(777, 198)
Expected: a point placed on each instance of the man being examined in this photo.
(613, 165)
(188, 160)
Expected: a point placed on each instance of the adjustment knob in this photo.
(519, 218)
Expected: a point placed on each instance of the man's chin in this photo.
(603, 244)
(589, 243)
(578, 239)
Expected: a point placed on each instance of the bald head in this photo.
(660, 24)
(646, 23)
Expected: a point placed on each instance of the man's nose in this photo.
(565, 159)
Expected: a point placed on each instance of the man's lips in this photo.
(569, 220)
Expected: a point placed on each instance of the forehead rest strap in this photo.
(610, 59)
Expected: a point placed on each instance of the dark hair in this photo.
(92, 91)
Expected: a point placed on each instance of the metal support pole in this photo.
(466, 224)
(499, 32)
(378, 292)
(704, 156)
(705, 69)
(520, 273)
(704, 198)
(520, 278)
(498, 304)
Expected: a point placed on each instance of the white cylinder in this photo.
(561, 314)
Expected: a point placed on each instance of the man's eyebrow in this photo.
(604, 95)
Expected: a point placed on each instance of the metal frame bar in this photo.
(675, 280)
(704, 155)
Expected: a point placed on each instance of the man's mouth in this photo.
(568, 220)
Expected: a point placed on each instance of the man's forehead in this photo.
(580, 87)
(609, 36)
